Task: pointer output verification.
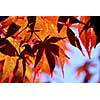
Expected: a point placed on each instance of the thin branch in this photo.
(37, 36)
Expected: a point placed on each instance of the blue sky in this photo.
(77, 59)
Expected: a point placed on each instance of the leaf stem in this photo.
(37, 36)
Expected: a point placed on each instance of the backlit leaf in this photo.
(8, 68)
(88, 39)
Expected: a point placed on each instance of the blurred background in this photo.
(76, 60)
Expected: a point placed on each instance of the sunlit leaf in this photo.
(88, 39)
(28, 73)
(8, 68)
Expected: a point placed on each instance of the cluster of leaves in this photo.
(34, 44)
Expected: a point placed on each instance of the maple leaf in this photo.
(46, 52)
(51, 50)
(17, 75)
(13, 28)
(88, 39)
(87, 34)
(31, 24)
(8, 67)
(28, 73)
(16, 69)
(73, 39)
(4, 23)
(85, 68)
(7, 48)
(24, 55)
(84, 27)
(63, 19)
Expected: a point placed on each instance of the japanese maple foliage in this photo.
(31, 45)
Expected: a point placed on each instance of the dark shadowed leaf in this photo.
(54, 39)
(32, 27)
(13, 28)
(39, 55)
(16, 67)
(62, 19)
(31, 19)
(73, 20)
(36, 46)
(54, 49)
(51, 50)
(73, 39)
(78, 43)
(85, 28)
(95, 22)
(2, 18)
(51, 60)
(31, 22)
(1, 65)
(24, 67)
(7, 48)
(28, 50)
(71, 36)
